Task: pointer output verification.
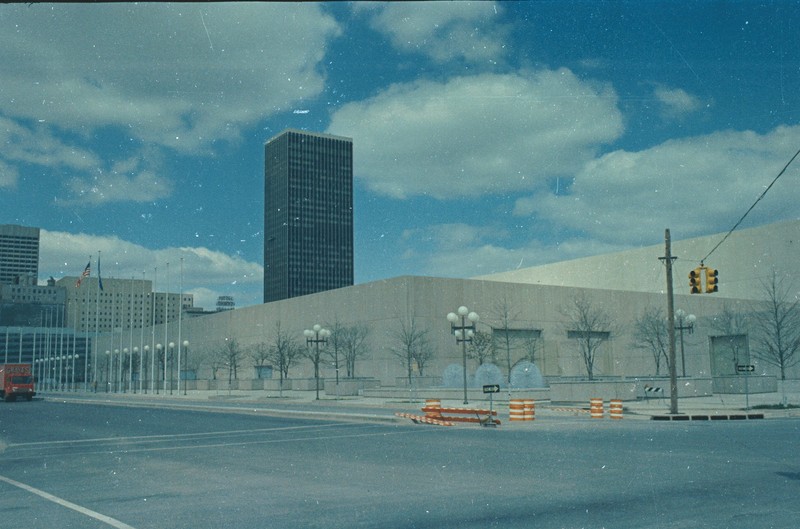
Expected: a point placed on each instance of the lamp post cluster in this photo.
(116, 382)
(51, 369)
(463, 332)
(315, 336)
(684, 322)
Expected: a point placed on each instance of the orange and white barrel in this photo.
(529, 409)
(596, 408)
(615, 409)
(516, 410)
(432, 407)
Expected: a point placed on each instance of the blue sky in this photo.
(487, 136)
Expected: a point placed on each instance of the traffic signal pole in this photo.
(673, 371)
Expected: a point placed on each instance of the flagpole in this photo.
(141, 340)
(166, 330)
(153, 333)
(86, 338)
(180, 318)
(97, 317)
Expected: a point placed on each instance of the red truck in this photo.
(16, 380)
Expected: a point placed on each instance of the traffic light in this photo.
(694, 280)
(711, 280)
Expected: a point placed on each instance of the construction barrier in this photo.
(596, 408)
(434, 410)
(529, 410)
(433, 404)
(516, 410)
(420, 419)
(615, 409)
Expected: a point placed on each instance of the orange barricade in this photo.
(436, 412)
(615, 409)
(516, 410)
(596, 408)
(529, 412)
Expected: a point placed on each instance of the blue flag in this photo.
(99, 278)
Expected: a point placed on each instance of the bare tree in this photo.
(259, 353)
(505, 339)
(283, 352)
(776, 325)
(590, 326)
(354, 343)
(651, 332)
(531, 344)
(230, 352)
(411, 346)
(481, 347)
(733, 326)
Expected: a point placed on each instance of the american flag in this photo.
(86, 272)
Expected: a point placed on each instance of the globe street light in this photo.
(316, 335)
(463, 333)
(685, 322)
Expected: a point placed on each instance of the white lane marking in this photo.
(68, 504)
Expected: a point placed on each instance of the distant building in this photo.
(308, 214)
(225, 303)
(19, 254)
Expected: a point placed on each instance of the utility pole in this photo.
(673, 371)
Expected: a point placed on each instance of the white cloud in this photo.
(694, 186)
(485, 134)
(441, 30)
(135, 179)
(676, 102)
(209, 273)
(177, 75)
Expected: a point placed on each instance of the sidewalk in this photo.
(304, 403)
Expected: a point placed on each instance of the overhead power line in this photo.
(754, 205)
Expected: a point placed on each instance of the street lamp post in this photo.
(158, 354)
(122, 382)
(463, 333)
(171, 365)
(144, 371)
(685, 322)
(109, 361)
(136, 353)
(186, 362)
(316, 335)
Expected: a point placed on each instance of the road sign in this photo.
(491, 388)
(743, 367)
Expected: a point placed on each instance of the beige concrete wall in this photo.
(381, 305)
(746, 258)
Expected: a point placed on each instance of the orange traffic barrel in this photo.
(596, 408)
(433, 406)
(615, 409)
(516, 410)
(529, 409)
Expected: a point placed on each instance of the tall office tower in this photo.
(19, 254)
(308, 214)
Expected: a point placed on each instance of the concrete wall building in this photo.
(19, 253)
(532, 309)
(308, 214)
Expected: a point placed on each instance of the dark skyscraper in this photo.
(308, 214)
(19, 254)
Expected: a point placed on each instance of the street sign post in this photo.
(491, 389)
(746, 369)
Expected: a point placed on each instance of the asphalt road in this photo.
(90, 466)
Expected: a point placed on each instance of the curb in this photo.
(706, 417)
